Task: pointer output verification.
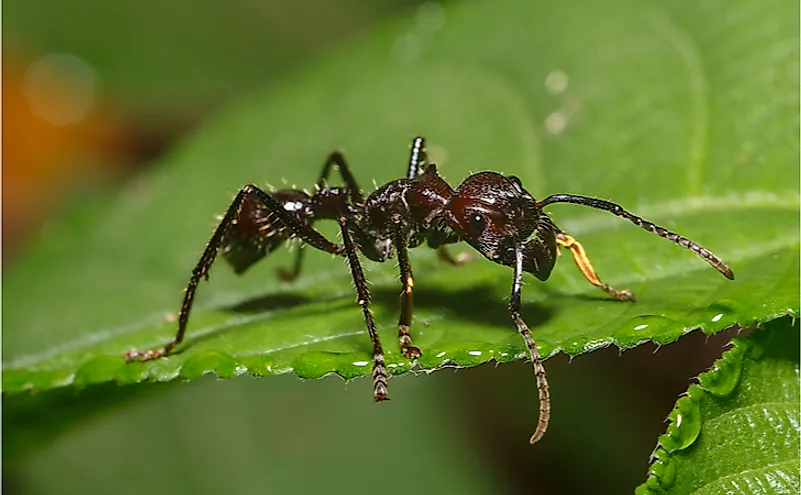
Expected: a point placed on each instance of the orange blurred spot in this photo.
(42, 160)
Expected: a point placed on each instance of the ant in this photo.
(492, 212)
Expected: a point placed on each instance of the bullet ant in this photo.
(490, 211)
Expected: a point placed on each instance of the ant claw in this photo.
(132, 355)
(411, 352)
(623, 295)
(627, 295)
(135, 355)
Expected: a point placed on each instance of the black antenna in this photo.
(618, 210)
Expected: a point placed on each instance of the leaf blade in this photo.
(743, 430)
(481, 114)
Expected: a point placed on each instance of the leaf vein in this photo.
(723, 479)
(755, 407)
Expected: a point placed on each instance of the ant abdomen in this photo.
(257, 232)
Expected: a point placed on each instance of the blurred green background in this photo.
(135, 78)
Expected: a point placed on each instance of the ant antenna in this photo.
(618, 210)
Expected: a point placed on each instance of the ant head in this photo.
(492, 213)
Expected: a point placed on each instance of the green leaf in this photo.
(738, 430)
(676, 111)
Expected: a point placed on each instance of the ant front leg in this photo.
(407, 279)
(583, 262)
(536, 360)
(363, 293)
(201, 270)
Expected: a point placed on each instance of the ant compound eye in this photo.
(477, 223)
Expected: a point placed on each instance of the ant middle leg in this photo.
(380, 376)
(201, 270)
(583, 262)
(407, 279)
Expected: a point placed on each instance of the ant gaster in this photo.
(490, 211)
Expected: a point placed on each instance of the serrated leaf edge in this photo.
(680, 433)
(347, 366)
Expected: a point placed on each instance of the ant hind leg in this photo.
(201, 270)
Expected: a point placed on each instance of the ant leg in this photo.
(290, 275)
(536, 360)
(460, 259)
(334, 159)
(618, 210)
(201, 270)
(407, 279)
(338, 159)
(583, 262)
(379, 366)
(417, 158)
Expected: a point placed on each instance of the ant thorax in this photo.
(383, 213)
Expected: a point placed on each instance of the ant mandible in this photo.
(490, 211)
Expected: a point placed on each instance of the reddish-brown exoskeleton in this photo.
(490, 211)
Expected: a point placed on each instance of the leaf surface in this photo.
(737, 431)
